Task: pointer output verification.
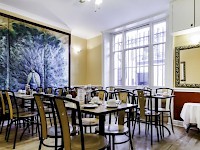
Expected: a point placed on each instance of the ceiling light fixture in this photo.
(96, 2)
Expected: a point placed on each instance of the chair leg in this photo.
(110, 140)
(162, 124)
(151, 130)
(113, 142)
(38, 127)
(7, 127)
(171, 121)
(90, 129)
(160, 129)
(50, 119)
(134, 127)
(130, 138)
(16, 134)
(8, 133)
(146, 125)
(24, 131)
(40, 145)
(157, 124)
(2, 123)
(139, 125)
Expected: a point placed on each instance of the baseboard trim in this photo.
(178, 123)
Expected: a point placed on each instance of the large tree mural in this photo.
(37, 56)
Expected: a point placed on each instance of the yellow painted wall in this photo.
(78, 60)
(94, 61)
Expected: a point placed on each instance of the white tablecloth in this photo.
(190, 113)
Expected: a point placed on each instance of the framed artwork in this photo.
(32, 54)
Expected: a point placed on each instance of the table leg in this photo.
(128, 123)
(101, 124)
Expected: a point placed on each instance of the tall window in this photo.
(139, 54)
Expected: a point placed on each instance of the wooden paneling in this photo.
(181, 98)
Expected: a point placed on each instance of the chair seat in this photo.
(20, 110)
(127, 110)
(114, 129)
(163, 110)
(90, 121)
(51, 131)
(148, 113)
(26, 114)
(91, 141)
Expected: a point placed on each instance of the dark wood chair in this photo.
(166, 109)
(16, 115)
(145, 114)
(46, 132)
(113, 130)
(81, 141)
(58, 91)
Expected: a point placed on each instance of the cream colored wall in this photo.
(94, 61)
(78, 60)
(86, 65)
(187, 39)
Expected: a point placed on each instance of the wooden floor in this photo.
(180, 140)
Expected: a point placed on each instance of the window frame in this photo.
(151, 44)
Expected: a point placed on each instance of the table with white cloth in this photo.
(190, 114)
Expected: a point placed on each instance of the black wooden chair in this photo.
(166, 109)
(145, 114)
(16, 115)
(81, 141)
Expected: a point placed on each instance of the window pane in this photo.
(136, 67)
(130, 68)
(137, 37)
(118, 45)
(159, 64)
(117, 68)
(159, 32)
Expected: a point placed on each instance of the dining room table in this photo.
(101, 111)
(24, 97)
(156, 98)
(190, 114)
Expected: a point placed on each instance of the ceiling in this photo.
(81, 18)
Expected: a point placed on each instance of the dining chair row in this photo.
(69, 141)
(15, 115)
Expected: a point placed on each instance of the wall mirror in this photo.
(187, 66)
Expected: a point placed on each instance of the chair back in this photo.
(39, 89)
(64, 120)
(110, 88)
(49, 90)
(102, 94)
(142, 100)
(12, 103)
(58, 91)
(40, 106)
(3, 104)
(165, 102)
(123, 96)
(99, 87)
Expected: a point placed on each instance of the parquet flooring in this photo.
(180, 140)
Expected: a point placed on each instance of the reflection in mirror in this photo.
(187, 65)
(182, 71)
